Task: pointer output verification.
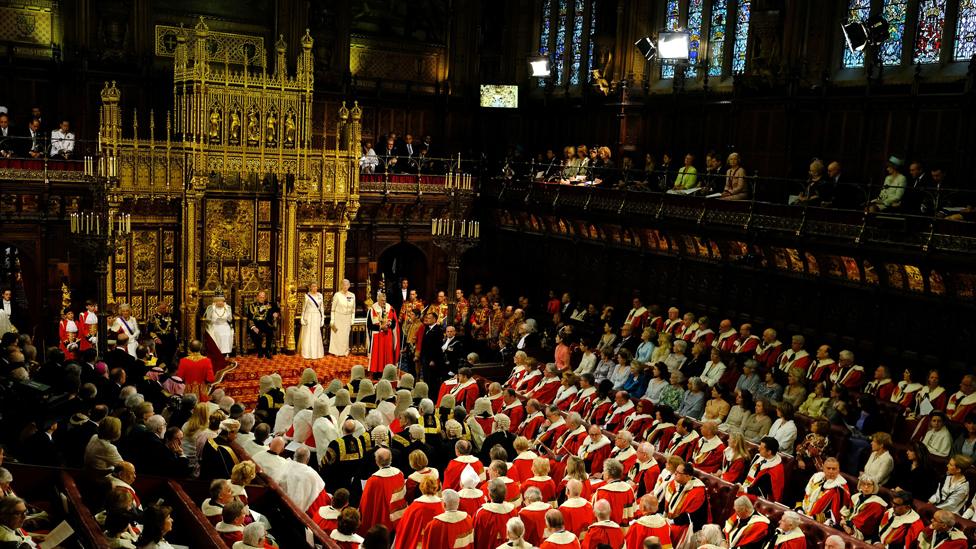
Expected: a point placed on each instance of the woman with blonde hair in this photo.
(240, 476)
(663, 348)
(576, 469)
(736, 187)
(735, 459)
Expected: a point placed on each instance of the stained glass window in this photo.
(695, 8)
(931, 25)
(559, 59)
(545, 32)
(966, 31)
(672, 20)
(564, 38)
(894, 11)
(857, 10)
(739, 48)
(716, 36)
(578, 38)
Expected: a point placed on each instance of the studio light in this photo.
(646, 47)
(673, 46)
(539, 64)
(860, 34)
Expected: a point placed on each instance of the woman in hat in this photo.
(893, 189)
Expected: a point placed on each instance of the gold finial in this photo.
(280, 45)
(307, 40)
(357, 112)
(343, 112)
(110, 92)
(181, 36)
(202, 29)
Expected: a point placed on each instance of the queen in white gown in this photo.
(310, 342)
(220, 320)
(343, 311)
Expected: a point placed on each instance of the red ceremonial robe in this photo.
(820, 370)
(583, 401)
(196, 372)
(471, 499)
(230, 533)
(708, 453)
(513, 491)
(880, 389)
(726, 341)
(413, 525)
(346, 541)
(413, 482)
(327, 518)
(794, 539)
(638, 424)
(531, 425)
(577, 515)
(621, 498)
(533, 516)
(794, 359)
(452, 474)
(450, 530)
(605, 532)
(953, 539)
(768, 355)
(902, 529)
(745, 346)
(739, 532)
(595, 453)
(618, 415)
(626, 456)
(599, 411)
(552, 433)
(682, 446)
(647, 526)
(561, 540)
(960, 405)
(545, 391)
(865, 514)
(522, 466)
(766, 477)
(570, 442)
(213, 512)
(826, 497)
(465, 394)
(644, 476)
(497, 402)
(661, 435)
(528, 382)
(733, 469)
(686, 501)
(384, 347)
(565, 397)
(383, 500)
(586, 493)
(490, 525)
(545, 485)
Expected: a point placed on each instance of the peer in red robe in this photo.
(470, 500)
(708, 452)
(490, 525)
(513, 491)
(606, 532)
(647, 526)
(528, 382)
(230, 533)
(416, 518)
(768, 352)
(595, 450)
(197, 373)
(532, 424)
(544, 483)
(824, 498)
(577, 514)
(947, 539)
(682, 445)
(384, 342)
(624, 454)
(733, 469)
(900, 530)
(561, 540)
(746, 531)
(863, 517)
(515, 412)
(622, 501)
(584, 400)
(327, 518)
(346, 541)
(450, 530)
(619, 413)
(545, 391)
(383, 499)
(551, 433)
(766, 477)
(794, 539)
(686, 504)
(533, 516)
(643, 476)
(961, 404)
(466, 391)
(452, 473)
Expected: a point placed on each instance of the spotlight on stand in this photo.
(647, 47)
(673, 46)
(539, 64)
(870, 32)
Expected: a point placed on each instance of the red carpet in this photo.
(241, 381)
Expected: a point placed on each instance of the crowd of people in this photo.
(33, 137)
(603, 433)
(908, 187)
(394, 153)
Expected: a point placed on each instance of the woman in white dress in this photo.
(310, 341)
(220, 320)
(343, 310)
(127, 324)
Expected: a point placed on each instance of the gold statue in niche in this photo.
(290, 129)
(214, 132)
(235, 127)
(253, 127)
(272, 128)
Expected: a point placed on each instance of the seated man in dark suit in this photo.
(388, 157)
(39, 448)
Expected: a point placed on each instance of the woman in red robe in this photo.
(413, 525)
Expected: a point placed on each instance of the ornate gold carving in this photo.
(308, 257)
(329, 249)
(329, 278)
(120, 281)
(121, 253)
(169, 277)
(151, 302)
(264, 211)
(137, 307)
(264, 246)
(229, 229)
(169, 246)
(370, 58)
(236, 48)
(144, 267)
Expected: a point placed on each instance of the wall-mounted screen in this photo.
(499, 96)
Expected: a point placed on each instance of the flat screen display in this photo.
(499, 96)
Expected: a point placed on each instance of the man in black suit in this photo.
(6, 137)
(430, 358)
(117, 357)
(453, 349)
(916, 200)
(401, 294)
(34, 144)
(408, 149)
(388, 156)
(39, 448)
